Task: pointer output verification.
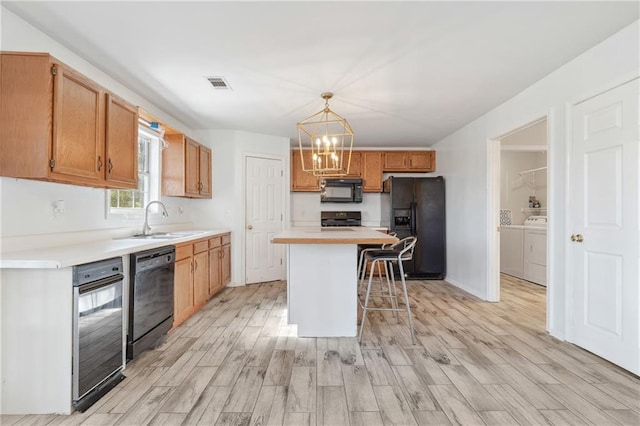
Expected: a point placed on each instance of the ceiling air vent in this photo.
(219, 83)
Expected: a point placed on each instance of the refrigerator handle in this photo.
(414, 212)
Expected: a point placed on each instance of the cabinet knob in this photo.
(99, 163)
(250, 227)
(110, 167)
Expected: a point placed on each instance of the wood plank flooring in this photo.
(237, 362)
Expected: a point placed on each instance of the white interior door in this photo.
(604, 215)
(264, 219)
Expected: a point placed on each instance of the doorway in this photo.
(519, 178)
(264, 217)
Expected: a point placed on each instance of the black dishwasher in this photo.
(150, 298)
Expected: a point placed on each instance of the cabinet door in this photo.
(372, 171)
(121, 144)
(355, 167)
(215, 270)
(200, 278)
(78, 127)
(421, 161)
(182, 290)
(302, 181)
(205, 172)
(192, 168)
(226, 264)
(395, 161)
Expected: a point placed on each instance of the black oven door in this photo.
(98, 333)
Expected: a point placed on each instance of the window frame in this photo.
(154, 160)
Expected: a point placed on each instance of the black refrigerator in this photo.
(416, 206)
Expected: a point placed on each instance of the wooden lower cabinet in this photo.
(219, 263)
(226, 264)
(201, 278)
(182, 290)
(202, 269)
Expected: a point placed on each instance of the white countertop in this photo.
(77, 254)
(332, 235)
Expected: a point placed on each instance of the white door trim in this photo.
(285, 200)
(493, 210)
(493, 220)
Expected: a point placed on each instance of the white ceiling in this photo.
(403, 73)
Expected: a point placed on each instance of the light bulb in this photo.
(334, 140)
(325, 139)
(318, 141)
(315, 156)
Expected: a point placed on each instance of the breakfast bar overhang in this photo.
(322, 277)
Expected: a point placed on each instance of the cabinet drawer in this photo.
(200, 246)
(184, 251)
(215, 242)
(226, 239)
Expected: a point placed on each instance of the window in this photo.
(133, 201)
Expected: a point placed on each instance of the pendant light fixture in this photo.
(328, 138)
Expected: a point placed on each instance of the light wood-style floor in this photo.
(236, 362)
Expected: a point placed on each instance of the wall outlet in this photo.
(58, 207)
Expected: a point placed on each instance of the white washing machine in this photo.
(512, 250)
(535, 249)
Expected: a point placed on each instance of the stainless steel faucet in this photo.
(146, 229)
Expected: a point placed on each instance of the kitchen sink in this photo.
(162, 235)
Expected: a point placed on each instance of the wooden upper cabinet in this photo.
(205, 172)
(121, 154)
(409, 161)
(302, 181)
(368, 165)
(192, 168)
(355, 167)
(372, 171)
(78, 127)
(395, 161)
(186, 168)
(53, 125)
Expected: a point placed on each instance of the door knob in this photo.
(249, 227)
(573, 237)
(577, 238)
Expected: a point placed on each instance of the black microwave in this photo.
(341, 190)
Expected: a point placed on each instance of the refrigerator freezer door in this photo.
(429, 256)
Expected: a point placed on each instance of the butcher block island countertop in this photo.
(322, 277)
(332, 235)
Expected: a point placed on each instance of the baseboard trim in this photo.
(464, 287)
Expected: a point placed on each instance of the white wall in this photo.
(306, 208)
(227, 207)
(27, 205)
(515, 189)
(462, 159)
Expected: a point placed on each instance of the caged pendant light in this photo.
(329, 137)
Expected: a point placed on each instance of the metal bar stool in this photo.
(400, 251)
(362, 265)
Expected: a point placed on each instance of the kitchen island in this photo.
(322, 277)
